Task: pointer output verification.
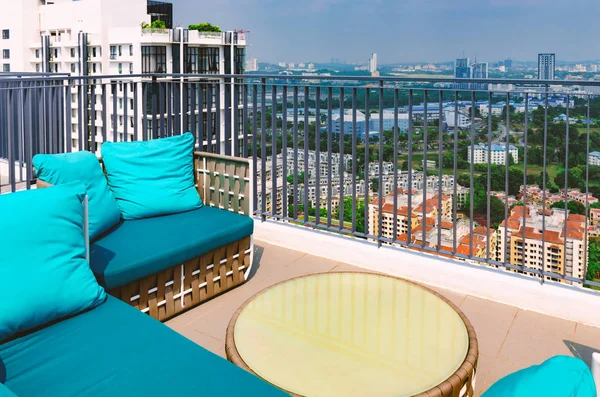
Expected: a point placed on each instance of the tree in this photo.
(497, 207)
(374, 185)
(205, 27)
(290, 178)
(360, 213)
(574, 207)
(593, 258)
(447, 160)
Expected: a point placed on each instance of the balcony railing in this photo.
(346, 154)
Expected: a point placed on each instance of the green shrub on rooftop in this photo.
(158, 24)
(205, 27)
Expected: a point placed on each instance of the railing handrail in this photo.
(520, 82)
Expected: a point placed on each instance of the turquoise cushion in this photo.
(152, 178)
(560, 376)
(83, 167)
(4, 392)
(115, 350)
(43, 272)
(139, 248)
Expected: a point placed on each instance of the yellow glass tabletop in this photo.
(351, 334)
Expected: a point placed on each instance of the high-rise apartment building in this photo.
(546, 66)
(373, 63)
(479, 70)
(508, 64)
(252, 65)
(105, 37)
(550, 240)
(462, 68)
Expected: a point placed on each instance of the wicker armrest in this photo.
(224, 181)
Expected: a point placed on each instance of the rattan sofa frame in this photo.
(222, 182)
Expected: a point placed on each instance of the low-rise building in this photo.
(480, 152)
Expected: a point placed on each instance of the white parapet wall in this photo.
(554, 299)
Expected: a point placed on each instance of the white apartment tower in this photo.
(106, 38)
(373, 63)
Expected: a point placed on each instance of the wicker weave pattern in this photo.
(167, 293)
(224, 182)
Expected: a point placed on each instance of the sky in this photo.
(404, 30)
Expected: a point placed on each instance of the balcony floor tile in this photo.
(509, 338)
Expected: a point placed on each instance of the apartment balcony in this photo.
(521, 317)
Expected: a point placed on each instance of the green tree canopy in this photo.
(574, 207)
(204, 27)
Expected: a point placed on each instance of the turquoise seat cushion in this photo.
(44, 274)
(58, 169)
(152, 178)
(5, 392)
(115, 350)
(139, 248)
(559, 376)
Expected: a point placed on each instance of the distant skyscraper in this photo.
(252, 65)
(479, 70)
(462, 68)
(546, 66)
(373, 63)
(508, 64)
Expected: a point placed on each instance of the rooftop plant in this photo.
(205, 27)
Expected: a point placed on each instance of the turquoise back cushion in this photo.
(559, 376)
(152, 178)
(44, 275)
(58, 169)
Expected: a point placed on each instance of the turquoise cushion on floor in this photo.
(560, 376)
(139, 248)
(152, 178)
(115, 350)
(58, 169)
(44, 275)
(4, 392)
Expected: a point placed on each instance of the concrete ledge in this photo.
(554, 299)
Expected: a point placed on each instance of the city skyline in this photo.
(377, 27)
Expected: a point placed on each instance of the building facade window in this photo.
(37, 67)
(37, 53)
(73, 68)
(120, 103)
(120, 68)
(130, 50)
(113, 52)
(209, 60)
(6, 67)
(154, 59)
(5, 34)
(120, 50)
(5, 54)
(240, 60)
(131, 68)
(73, 53)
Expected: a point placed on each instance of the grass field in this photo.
(553, 169)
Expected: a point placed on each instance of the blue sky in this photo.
(405, 30)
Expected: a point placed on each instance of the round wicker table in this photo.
(355, 334)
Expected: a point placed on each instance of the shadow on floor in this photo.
(258, 253)
(581, 351)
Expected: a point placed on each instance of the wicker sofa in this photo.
(114, 349)
(168, 264)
